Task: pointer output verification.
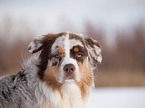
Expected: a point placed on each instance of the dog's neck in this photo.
(70, 96)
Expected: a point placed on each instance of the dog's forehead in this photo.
(66, 42)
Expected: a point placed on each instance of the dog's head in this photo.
(66, 57)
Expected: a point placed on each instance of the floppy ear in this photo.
(94, 50)
(36, 45)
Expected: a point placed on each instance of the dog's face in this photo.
(66, 57)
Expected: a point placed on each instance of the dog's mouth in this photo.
(70, 79)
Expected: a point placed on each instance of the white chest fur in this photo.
(71, 97)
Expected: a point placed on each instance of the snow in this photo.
(133, 97)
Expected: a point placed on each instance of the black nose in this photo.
(69, 68)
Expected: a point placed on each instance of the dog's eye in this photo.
(54, 64)
(57, 56)
(79, 54)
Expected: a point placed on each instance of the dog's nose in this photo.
(69, 68)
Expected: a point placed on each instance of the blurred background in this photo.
(118, 25)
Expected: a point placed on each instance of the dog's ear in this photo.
(36, 45)
(42, 42)
(94, 50)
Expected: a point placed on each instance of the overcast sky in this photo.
(71, 15)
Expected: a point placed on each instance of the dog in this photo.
(59, 74)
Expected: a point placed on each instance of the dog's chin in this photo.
(68, 80)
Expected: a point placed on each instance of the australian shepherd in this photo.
(59, 73)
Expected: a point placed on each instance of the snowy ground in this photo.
(133, 97)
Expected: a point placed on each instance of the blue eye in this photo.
(79, 55)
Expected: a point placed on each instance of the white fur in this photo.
(35, 44)
(71, 97)
(67, 46)
(58, 42)
(50, 98)
(98, 51)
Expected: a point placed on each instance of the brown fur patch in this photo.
(47, 41)
(77, 37)
(76, 49)
(62, 33)
(60, 50)
(74, 36)
(90, 42)
(86, 77)
(79, 50)
(50, 78)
